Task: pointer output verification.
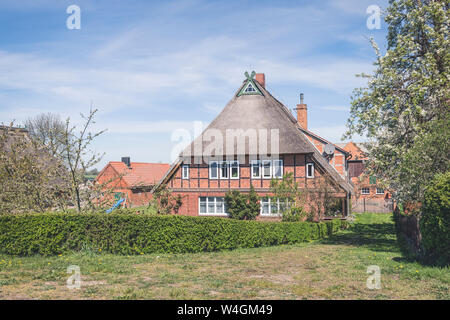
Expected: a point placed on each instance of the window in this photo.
(380, 191)
(310, 170)
(365, 191)
(185, 172)
(250, 88)
(224, 170)
(277, 168)
(211, 206)
(267, 168)
(202, 205)
(213, 168)
(372, 180)
(234, 169)
(256, 169)
(270, 207)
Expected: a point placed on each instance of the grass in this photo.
(333, 268)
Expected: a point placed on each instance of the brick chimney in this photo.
(261, 78)
(302, 113)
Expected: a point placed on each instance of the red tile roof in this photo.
(357, 151)
(140, 173)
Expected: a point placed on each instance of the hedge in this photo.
(49, 234)
(435, 221)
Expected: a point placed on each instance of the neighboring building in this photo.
(224, 156)
(131, 180)
(368, 195)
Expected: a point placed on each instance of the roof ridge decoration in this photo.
(250, 87)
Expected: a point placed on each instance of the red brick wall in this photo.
(199, 183)
(338, 159)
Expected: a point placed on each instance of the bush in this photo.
(435, 221)
(293, 215)
(242, 206)
(50, 234)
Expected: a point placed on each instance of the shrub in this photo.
(435, 221)
(242, 206)
(49, 234)
(293, 215)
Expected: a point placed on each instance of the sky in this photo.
(152, 67)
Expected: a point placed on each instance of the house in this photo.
(253, 139)
(369, 196)
(131, 180)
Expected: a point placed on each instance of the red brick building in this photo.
(369, 196)
(255, 138)
(132, 180)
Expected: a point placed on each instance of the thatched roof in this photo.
(257, 111)
(254, 112)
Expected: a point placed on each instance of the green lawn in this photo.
(328, 269)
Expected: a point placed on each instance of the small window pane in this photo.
(213, 170)
(380, 191)
(202, 204)
(211, 205)
(235, 169)
(277, 168)
(224, 170)
(310, 170)
(265, 206)
(185, 172)
(365, 191)
(267, 169)
(219, 205)
(256, 169)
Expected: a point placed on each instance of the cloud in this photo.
(151, 73)
(335, 133)
(134, 127)
(336, 108)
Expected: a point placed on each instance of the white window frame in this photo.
(220, 170)
(258, 164)
(280, 163)
(270, 169)
(215, 213)
(310, 164)
(269, 202)
(231, 163)
(217, 168)
(364, 188)
(382, 191)
(183, 175)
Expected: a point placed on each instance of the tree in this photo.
(31, 179)
(78, 157)
(48, 129)
(321, 196)
(242, 206)
(286, 192)
(404, 109)
(165, 202)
